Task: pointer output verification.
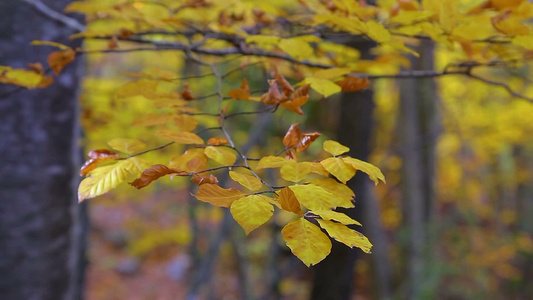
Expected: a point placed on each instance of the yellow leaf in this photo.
(324, 87)
(409, 17)
(181, 137)
(373, 172)
(313, 197)
(287, 201)
(317, 168)
(152, 119)
(252, 211)
(185, 122)
(272, 162)
(193, 160)
(222, 155)
(263, 39)
(53, 44)
(295, 171)
(345, 235)
(525, 41)
(336, 216)
(334, 148)
(511, 26)
(338, 168)
(21, 77)
(377, 32)
(343, 194)
(217, 195)
(144, 88)
(103, 179)
(449, 10)
(128, 146)
(248, 181)
(296, 48)
(331, 73)
(306, 241)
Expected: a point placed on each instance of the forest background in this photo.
(445, 116)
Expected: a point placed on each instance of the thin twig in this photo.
(54, 15)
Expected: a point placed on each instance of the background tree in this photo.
(41, 233)
(305, 42)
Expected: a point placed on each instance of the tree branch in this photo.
(54, 15)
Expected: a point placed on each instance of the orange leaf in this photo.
(186, 93)
(199, 180)
(36, 67)
(102, 153)
(273, 96)
(243, 93)
(293, 136)
(217, 195)
(283, 83)
(217, 141)
(353, 84)
(153, 173)
(59, 59)
(306, 140)
(288, 201)
(96, 157)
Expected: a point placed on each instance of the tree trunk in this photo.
(418, 125)
(41, 239)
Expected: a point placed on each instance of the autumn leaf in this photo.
(193, 160)
(180, 137)
(145, 88)
(25, 78)
(343, 195)
(185, 122)
(153, 119)
(271, 162)
(153, 173)
(353, 84)
(293, 136)
(248, 181)
(295, 172)
(251, 211)
(243, 93)
(338, 168)
(201, 180)
(223, 155)
(317, 168)
(217, 141)
(283, 83)
(330, 215)
(59, 59)
(273, 96)
(288, 201)
(373, 172)
(218, 196)
(97, 156)
(103, 179)
(306, 241)
(345, 235)
(297, 99)
(128, 146)
(335, 148)
(314, 197)
(324, 87)
(187, 93)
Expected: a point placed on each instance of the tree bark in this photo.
(418, 125)
(41, 238)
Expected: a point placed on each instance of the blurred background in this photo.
(453, 221)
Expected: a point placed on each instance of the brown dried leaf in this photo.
(243, 93)
(96, 157)
(306, 140)
(353, 84)
(153, 173)
(273, 96)
(59, 59)
(293, 136)
(214, 141)
(199, 180)
(186, 93)
(283, 83)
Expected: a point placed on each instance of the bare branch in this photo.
(54, 15)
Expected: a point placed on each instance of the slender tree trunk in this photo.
(41, 239)
(419, 131)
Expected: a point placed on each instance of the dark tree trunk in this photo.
(334, 276)
(41, 239)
